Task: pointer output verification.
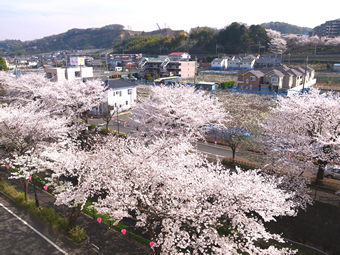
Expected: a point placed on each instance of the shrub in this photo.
(78, 234)
(9, 190)
(92, 126)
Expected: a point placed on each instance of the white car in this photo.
(332, 172)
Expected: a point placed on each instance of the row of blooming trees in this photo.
(185, 203)
(303, 131)
(36, 114)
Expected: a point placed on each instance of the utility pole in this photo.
(304, 78)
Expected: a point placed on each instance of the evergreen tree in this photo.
(3, 65)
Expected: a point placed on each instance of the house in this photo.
(71, 73)
(247, 63)
(165, 67)
(268, 61)
(219, 64)
(250, 79)
(276, 78)
(121, 95)
(179, 56)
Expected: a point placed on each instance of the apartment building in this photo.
(165, 67)
(329, 29)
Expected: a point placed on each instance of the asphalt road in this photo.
(210, 149)
(23, 233)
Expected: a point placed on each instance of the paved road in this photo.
(23, 233)
(210, 149)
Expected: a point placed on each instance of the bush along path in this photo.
(100, 238)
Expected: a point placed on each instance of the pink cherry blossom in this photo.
(45, 187)
(152, 243)
(99, 220)
(123, 231)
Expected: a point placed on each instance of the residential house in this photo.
(179, 56)
(250, 79)
(267, 61)
(165, 67)
(247, 63)
(219, 64)
(121, 95)
(276, 78)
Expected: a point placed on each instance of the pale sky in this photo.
(35, 19)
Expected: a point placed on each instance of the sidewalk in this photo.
(107, 241)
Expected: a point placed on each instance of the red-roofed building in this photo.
(179, 56)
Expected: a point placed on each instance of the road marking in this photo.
(28, 225)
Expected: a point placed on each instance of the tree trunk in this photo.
(233, 149)
(26, 189)
(73, 216)
(321, 172)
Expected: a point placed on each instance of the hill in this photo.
(76, 39)
(286, 28)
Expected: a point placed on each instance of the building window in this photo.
(252, 78)
(120, 93)
(113, 93)
(275, 79)
(127, 102)
(49, 75)
(130, 91)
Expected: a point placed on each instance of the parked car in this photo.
(332, 172)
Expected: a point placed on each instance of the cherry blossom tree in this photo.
(72, 98)
(24, 133)
(183, 202)
(245, 111)
(273, 33)
(278, 45)
(175, 110)
(304, 129)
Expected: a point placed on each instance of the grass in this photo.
(49, 215)
(89, 210)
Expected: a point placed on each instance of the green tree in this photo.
(3, 65)
(235, 38)
(148, 77)
(258, 35)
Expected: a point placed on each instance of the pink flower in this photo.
(7, 166)
(45, 187)
(29, 177)
(152, 243)
(91, 117)
(215, 142)
(262, 152)
(101, 118)
(113, 118)
(123, 231)
(99, 220)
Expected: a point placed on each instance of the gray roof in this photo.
(118, 84)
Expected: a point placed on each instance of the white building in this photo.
(121, 95)
(72, 73)
(219, 64)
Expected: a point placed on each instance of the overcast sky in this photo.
(34, 19)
